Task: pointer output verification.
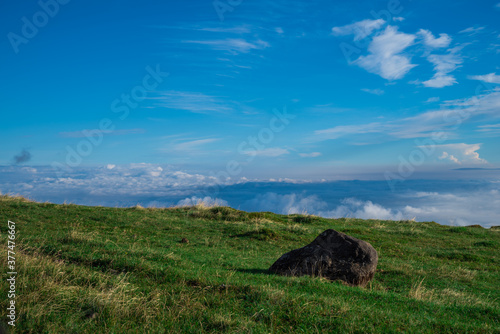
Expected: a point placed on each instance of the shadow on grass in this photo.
(263, 234)
(255, 271)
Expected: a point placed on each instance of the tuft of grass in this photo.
(109, 270)
(14, 198)
(303, 219)
(419, 292)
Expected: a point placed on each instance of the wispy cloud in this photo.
(471, 30)
(386, 58)
(310, 155)
(193, 102)
(232, 45)
(86, 133)
(375, 91)
(268, 152)
(489, 129)
(210, 27)
(359, 29)
(429, 40)
(411, 127)
(490, 78)
(327, 108)
(344, 130)
(442, 119)
(432, 99)
(194, 144)
(423, 124)
(488, 103)
(243, 29)
(443, 65)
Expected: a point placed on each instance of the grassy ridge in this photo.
(114, 270)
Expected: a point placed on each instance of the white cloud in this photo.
(299, 203)
(92, 132)
(233, 45)
(231, 30)
(385, 58)
(375, 91)
(285, 204)
(343, 130)
(279, 30)
(429, 40)
(497, 5)
(460, 153)
(123, 185)
(432, 99)
(471, 30)
(443, 65)
(482, 104)
(267, 152)
(439, 120)
(489, 128)
(205, 201)
(446, 202)
(327, 108)
(157, 172)
(450, 157)
(192, 102)
(459, 208)
(29, 169)
(398, 19)
(388, 59)
(310, 155)
(359, 29)
(491, 78)
(194, 144)
(422, 125)
(354, 208)
(440, 81)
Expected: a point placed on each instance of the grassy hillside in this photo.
(111, 270)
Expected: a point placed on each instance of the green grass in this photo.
(115, 270)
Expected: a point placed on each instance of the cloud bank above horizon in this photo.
(447, 202)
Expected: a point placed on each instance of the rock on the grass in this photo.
(333, 255)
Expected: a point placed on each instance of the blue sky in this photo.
(363, 80)
(243, 90)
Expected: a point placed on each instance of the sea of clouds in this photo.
(453, 202)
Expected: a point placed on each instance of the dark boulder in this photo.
(332, 255)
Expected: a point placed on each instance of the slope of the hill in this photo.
(113, 270)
